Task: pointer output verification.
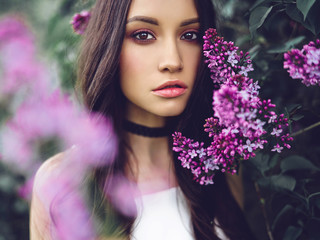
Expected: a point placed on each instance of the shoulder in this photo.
(51, 164)
(40, 222)
(47, 169)
(47, 172)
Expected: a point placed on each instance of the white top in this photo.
(164, 215)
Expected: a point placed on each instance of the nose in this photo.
(171, 59)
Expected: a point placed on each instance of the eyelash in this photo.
(195, 34)
(136, 36)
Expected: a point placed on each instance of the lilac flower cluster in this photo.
(19, 67)
(42, 113)
(194, 156)
(55, 117)
(304, 64)
(223, 59)
(241, 123)
(80, 21)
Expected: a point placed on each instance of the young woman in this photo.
(141, 65)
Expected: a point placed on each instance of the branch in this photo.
(262, 205)
(305, 129)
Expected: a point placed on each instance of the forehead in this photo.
(164, 9)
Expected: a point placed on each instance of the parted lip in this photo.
(171, 84)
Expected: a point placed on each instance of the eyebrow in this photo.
(189, 21)
(154, 21)
(143, 19)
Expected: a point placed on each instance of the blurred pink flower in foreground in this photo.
(71, 217)
(56, 117)
(41, 116)
(122, 195)
(60, 192)
(19, 67)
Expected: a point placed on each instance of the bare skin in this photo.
(39, 215)
(151, 164)
(173, 42)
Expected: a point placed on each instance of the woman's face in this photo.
(159, 58)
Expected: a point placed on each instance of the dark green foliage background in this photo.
(282, 192)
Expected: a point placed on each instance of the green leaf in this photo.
(274, 160)
(294, 13)
(257, 3)
(314, 199)
(243, 40)
(294, 107)
(292, 233)
(297, 117)
(287, 46)
(313, 17)
(261, 162)
(257, 18)
(296, 162)
(304, 6)
(254, 51)
(286, 213)
(278, 182)
(312, 20)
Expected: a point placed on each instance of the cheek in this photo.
(130, 66)
(134, 64)
(193, 59)
(191, 62)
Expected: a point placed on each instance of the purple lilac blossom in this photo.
(304, 64)
(87, 139)
(241, 121)
(122, 194)
(19, 66)
(223, 59)
(80, 22)
(56, 117)
(72, 206)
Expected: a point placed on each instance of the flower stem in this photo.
(264, 212)
(305, 129)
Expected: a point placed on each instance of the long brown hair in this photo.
(98, 81)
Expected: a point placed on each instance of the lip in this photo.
(170, 89)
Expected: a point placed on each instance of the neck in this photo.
(151, 162)
(145, 131)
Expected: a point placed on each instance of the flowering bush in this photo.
(242, 122)
(304, 64)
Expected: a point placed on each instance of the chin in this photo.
(171, 111)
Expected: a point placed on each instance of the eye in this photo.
(190, 36)
(143, 36)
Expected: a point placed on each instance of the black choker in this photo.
(146, 131)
